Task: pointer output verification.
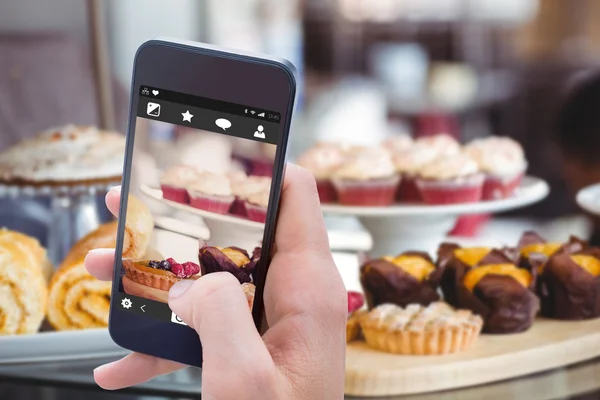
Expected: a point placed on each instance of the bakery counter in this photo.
(73, 379)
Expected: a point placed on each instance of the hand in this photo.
(301, 356)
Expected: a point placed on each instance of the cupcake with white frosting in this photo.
(398, 143)
(175, 180)
(503, 162)
(243, 189)
(408, 164)
(450, 180)
(366, 178)
(443, 144)
(257, 204)
(321, 160)
(211, 192)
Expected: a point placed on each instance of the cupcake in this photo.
(242, 189)
(499, 291)
(397, 143)
(409, 278)
(443, 144)
(211, 192)
(502, 161)
(321, 160)
(569, 282)
(418, 330)
(408, 163)
(175, 180)
(366, 178)
(451, 179)
(257, 204)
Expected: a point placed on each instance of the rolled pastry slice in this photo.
(23, 290)
(77, 300)
(33, 248)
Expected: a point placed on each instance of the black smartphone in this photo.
(204, 166)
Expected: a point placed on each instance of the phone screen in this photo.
(199, 191)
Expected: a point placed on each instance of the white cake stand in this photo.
(589, 199)
(225, 230)
(402, 227)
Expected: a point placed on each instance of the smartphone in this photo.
(204, 166)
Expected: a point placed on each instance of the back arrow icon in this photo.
(142, 308)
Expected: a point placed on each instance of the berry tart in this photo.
(211, 192)
(420, 330)
(175, 180)
(65, 155)
(355, 303)
(450, 180)
(503, 162)
(152, 279)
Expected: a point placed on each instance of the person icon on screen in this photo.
(259, 132)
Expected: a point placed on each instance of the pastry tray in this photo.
(549, 344)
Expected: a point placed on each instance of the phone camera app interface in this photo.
(199, 194)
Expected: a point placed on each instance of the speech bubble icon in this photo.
(223, 123)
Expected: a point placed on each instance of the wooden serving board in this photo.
(548, 344)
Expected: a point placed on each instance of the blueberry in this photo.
(164, 264)
(153, 264)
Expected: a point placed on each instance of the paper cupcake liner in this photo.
(256, 213)
(179, 195)
(496, 188)
(408, 191)
(238, 207)
(326, 191)
(261, 168)
(445, 340)
(376, 192)
(216, 204)
(463, 190)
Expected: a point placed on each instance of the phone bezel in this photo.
(236, 77)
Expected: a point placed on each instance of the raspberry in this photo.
(171, 261)
(190, 268)
(178, 270)
(355, 301)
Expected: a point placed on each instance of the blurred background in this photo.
(369, 69)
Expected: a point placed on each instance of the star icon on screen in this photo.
(187, 116)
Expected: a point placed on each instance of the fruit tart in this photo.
(230, 259)
(152, 279)
(500, 291)
(419, 330)
(355, 303)
(569, 284)
(411, 277)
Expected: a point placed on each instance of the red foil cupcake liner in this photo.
(408, 191)
(496, 188)
(172, 193)
(261, 168)
(453, 191)
(256, 213)
(216, 204)
(238, 207)
(376, 192)
(326, 191)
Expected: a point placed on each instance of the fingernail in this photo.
(180, 287)
(115, 189)
(101, 251)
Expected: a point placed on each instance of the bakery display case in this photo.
(450, 209)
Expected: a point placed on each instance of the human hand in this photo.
(301, 356)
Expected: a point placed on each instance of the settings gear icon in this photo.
(126, 303)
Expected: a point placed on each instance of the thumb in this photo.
(216, 307)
